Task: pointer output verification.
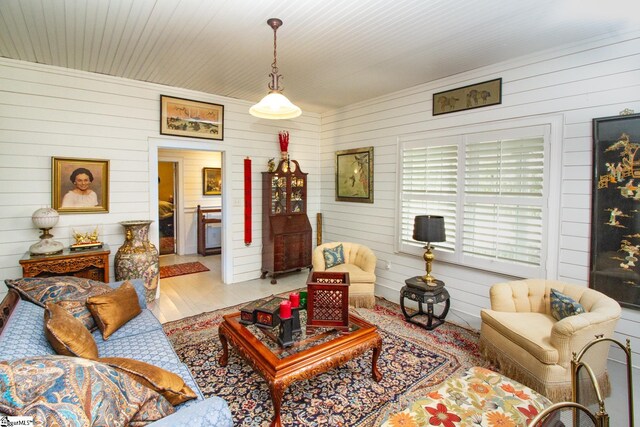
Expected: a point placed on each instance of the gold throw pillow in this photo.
(168, 384)
(66, 334)
(111, 311)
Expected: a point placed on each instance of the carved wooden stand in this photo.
(280, 373)
(91, 264)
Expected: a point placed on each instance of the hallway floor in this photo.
(183, 296)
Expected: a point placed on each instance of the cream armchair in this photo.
(360, 263)
(532, 347)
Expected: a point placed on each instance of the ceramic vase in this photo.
(138, 258)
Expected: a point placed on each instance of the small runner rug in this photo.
(413, 362)
(182, 269)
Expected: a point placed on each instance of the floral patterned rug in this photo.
(182, 269)
(413, 361)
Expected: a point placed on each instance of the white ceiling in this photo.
(331, 52)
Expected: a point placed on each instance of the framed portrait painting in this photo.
(79, 185)
(211, 181)
(354, 175)
(615, 209)
(194, 119)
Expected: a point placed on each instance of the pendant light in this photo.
(275, 105)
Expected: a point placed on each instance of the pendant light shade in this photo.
(275, 106)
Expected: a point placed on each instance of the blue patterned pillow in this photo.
(71, 391)
(333, 257)
(71, 292)
(564, 306)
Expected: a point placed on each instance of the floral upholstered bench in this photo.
(480, 397)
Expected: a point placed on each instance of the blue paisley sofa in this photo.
(22, 336)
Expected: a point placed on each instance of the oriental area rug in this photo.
(413, 362)
(181, 269)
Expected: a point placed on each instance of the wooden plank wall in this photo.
(49, 111)
(577, 83)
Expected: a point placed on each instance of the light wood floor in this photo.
(191, 294)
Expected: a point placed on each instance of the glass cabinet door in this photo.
(297, 194)
(278, 195)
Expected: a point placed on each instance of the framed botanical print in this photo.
(615, 209)
(354, 175)
(79, 185)
(194, 119)
(211, 181)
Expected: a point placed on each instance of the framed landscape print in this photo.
(79, 185)
(211, 181)
(194, 119)
(465, 98)
(615, 209)
(354, 175)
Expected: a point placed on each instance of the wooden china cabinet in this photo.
(286, 231)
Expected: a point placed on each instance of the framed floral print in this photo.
(79, 185)
(615, 209)
(354, 175)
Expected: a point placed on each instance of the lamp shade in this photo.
(429, 228)
(275, 106)
(45, 218)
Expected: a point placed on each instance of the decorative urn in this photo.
(138, 258)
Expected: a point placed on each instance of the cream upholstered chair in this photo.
(532, 347)
(360, 263)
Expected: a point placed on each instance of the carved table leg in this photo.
(277, 391)
(377, 375)
(225, 348)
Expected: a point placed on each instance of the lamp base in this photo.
(417, 283)
(46, 247)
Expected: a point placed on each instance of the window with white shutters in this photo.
(490, 187)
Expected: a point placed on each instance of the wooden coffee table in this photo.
(310, 356)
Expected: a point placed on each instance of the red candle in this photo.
(294, 297)
(285, 309)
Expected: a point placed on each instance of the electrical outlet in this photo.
(238, 202)
(384, 264)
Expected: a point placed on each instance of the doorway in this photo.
(167, 217)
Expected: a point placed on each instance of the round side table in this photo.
(416, 290)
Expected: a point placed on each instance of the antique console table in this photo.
(90, 264)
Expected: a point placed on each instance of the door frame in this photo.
(178, 201)
(155, 144)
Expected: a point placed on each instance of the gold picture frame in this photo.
(468, 97)
(193, 119)
(211, 181)
(79, 185)
(354, 175)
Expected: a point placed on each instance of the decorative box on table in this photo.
(248, 312)
(268, 313)
(328, 300)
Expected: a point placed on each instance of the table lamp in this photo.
(45, 219)
(428, 229)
